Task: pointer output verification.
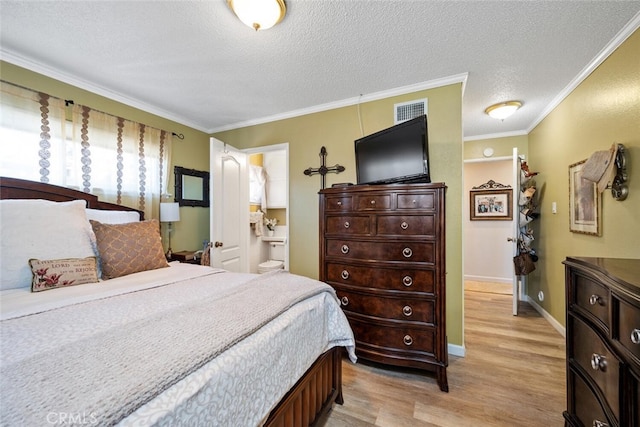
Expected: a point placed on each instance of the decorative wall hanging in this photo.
(491, 201)
(323, 170)
(584, 202)
(608, 169)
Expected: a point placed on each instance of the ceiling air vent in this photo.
(409, 110)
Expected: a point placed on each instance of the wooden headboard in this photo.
(14, 188)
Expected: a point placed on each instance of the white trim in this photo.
(489, 159)
(487, 279)
(496, 135)
(622, 35)
(456, 350)
(45, 70)
(556, 325)
(458, 78)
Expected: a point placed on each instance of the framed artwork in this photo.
(491, 205)
(584, 203)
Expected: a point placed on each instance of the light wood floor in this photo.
(513, 375)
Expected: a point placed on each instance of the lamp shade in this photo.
(169, 212)
(258, 14)
(503, 110)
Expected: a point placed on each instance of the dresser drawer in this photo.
(417, 201)
(406, 225)
(587, 407)
(592, 297)
(382, 250)
(629, 327)
(393, 337)
(338, 203)
(592, 355)
(348, 225)
(373, 202)
(392, 279)
(408, 309)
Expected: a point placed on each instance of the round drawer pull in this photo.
(373, 202)
(407, 252)
(344, 249)
(598, 423)
(404, 225)
(407, 311)
(407, 281)
(595, 299)
(635, 336)
(344, 301)
(346, 224)
(598, 362)
(414, 201)
(339, 203)
(407, 340)
(344, 274)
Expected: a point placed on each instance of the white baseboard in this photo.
(456, 350)
(488, 279)
(556, 325)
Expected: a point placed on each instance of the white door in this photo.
(229, 223)
(516, 226)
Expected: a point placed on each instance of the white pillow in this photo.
(40, 229)
(112, 217)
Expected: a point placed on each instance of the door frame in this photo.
(278, 147)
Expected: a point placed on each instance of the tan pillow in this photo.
(129, 248)
(58, 273)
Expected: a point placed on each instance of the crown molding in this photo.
(431, 84)
(496, 135)
(622, 35)
(29, 64)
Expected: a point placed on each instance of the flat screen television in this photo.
(399, 154)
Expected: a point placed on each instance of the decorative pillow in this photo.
(58, 273)
(112, 217)
(40, 229)
(129, 248)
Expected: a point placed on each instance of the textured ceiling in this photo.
(194, 62)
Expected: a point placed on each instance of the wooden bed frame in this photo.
(309, 401)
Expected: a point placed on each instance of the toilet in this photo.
(276, 258)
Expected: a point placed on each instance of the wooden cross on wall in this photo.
(323, 170)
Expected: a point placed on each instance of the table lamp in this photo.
(169, 212)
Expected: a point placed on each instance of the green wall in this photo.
(502, 147)
(192, 152)
(336, 130)
(603, 109)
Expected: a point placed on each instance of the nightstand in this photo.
(189, 257)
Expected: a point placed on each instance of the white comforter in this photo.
(241, 385)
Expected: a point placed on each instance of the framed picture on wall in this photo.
(491, 205)
(584, 203)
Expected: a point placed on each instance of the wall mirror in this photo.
(192, 187)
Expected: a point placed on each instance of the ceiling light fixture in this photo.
(503, 110)
(258, 14)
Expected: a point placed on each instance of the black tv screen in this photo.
(398, 154)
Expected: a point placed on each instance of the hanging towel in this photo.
(256, 219)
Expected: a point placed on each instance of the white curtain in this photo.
(32, 135)
(118, 160)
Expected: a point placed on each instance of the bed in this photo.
(156, 343)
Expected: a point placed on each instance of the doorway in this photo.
(269, 194)
(487, 252)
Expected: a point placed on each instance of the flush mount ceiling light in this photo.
(258, 14)
(503, 110)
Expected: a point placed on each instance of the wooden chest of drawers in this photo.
(382, 247)
(603, 342)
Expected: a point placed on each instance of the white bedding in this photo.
(237, 387)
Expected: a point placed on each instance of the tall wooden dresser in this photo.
(382, 247)
(603, 342)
